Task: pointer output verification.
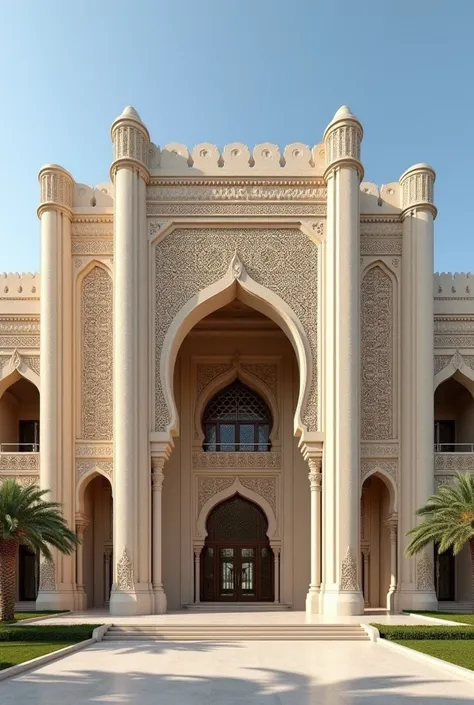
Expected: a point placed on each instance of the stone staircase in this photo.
(237, 607)
(455, 607)
(240, 632)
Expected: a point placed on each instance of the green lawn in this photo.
(14, 652)
(459, 652)
(464, 618)
(40, 613)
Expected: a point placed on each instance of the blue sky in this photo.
(249, 71)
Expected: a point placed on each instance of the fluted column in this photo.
(341, 591)
(157, 478)
(392, 525)
(55, 213)
(131, 591)
(197, 574)
(416, 587)
(276, 553)
(315, 484)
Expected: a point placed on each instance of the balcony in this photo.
(19, 458)
(454, 457)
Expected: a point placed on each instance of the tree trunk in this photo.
(471, 546)
(8, 551)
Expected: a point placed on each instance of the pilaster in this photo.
(57, 579)
(341, 494)
(131, 590)
(416, 580)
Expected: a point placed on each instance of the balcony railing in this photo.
(19, 447)
(454, 448)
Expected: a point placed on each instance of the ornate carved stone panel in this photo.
(369, 467)
(424, 572)
(96, 343)
(283, 260)
(349, 573)
(204, 459)
(377, 374)
(207, 372)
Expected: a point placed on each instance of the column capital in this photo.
(417, 189)
(131, 142)
(342, 140)
(392, 524)
(56, 189)
(82, 522)
(157, 478)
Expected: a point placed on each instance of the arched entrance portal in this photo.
(237, 560)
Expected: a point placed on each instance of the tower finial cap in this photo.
(130, 113)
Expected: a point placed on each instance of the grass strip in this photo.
(17, 652)
(436, 632)
(460, 653)
(465, 618)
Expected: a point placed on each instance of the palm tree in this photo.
(449, 520)
(26, 518)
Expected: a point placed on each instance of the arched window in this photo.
(237, 419)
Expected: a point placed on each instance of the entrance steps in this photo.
(237, 607)
(241, 632)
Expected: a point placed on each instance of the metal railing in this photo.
(454, 448)
(19, 447)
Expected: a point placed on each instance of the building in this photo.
(236, 399)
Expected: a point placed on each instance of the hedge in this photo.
(435, 632)
(46, 633)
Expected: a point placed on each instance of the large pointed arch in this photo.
(236, 284)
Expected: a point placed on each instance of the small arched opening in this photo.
(237, 560)
(97, 547)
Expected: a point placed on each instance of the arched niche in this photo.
(222, 381)
(15, 369)
(458, 370)
(389, 482)
(235, 284)
(83, 481)
(236, 488)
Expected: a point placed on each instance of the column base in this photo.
(313, 601)
(56, 600)
(130, 603)
(81, 599)
(337, 603)
(391, 601)
(416, 601)
(160, 601)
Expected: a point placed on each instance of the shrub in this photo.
(435, 632)
(47, 633)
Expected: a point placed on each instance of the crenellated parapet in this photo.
(16, 285)
(56, 189)
(131, 142)
(417, 184)
(237, 159)
(453, 285)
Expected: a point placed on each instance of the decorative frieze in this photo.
(236, 209)
(83, 467)
(23, 480)
(92, 246)
(238, 191)
(285, 261)
(94, 450)
(380, 246)
(21, 325)
(269, 460)
(454, 341)
(379, 450)
(19, 462)
(443, 481)
(381, 229)
(454, 462)
(93, 228)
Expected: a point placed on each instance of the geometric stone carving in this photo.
(348, 580)
(264, 486)
(424, 572)
(96, 346)
(368, 467)
(85, 466)
(236, 209)
(47, 575)
(124, 573)
(206, 372)
(93, 450)
(266, 372)
(454, 462)
(443, 481)
(381, 246)
(254, 460)
(457, 361)
(19, 462)
(284, 260)
(377, 355)
(379, 450)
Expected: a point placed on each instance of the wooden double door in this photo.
(237, 573)
(237, 562)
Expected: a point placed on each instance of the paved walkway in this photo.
(242, 673)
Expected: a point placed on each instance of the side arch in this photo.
(388, 481)
(235, 284)
(94, 471)
(458, 370)
(15, 369)
(222, 381)
(236, 488)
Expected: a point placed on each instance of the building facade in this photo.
(228, 374)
